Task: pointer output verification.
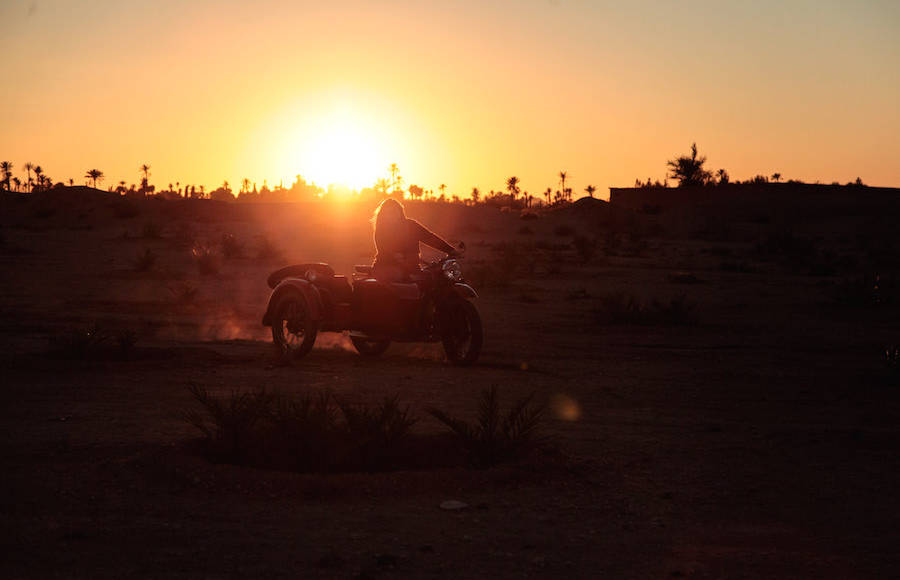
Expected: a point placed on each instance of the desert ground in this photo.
(752, 433)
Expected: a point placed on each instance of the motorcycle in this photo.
(434, 305)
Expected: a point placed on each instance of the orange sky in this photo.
(465, 93)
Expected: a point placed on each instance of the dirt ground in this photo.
(759, 441)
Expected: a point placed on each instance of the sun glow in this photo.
(338, 149)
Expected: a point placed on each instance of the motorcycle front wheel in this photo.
(461, 332)
(293, 329)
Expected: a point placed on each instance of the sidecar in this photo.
(310, 298)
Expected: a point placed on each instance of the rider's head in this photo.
(388, 213)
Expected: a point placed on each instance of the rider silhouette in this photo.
(397, 242)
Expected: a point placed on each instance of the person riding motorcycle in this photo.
(397, 242)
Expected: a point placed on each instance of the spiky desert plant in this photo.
(229, 422)
(496, 436)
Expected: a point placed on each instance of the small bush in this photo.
(206, 260)
(496, 436)
(375, 433)
(231, 428)
(145, 261)
(231, 248)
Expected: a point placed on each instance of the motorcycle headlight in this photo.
(452, 271)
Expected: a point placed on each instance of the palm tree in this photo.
(562, 180)
(394, 170)
(443, 188)
(512, 186)
(28, 167)
(590, 189)
(6, 167)
(145, 169)
(39, 175)
(121, 189)
(71, 182)
(548, 194)
(18, 182)
(95, 175)
(245, 185)
(722, 177)
(776, 177)
(689, 171)
(475, 195)
(382, 185)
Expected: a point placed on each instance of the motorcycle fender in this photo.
(464, 290)
(296, 285)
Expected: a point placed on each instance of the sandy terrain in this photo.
(759, 441)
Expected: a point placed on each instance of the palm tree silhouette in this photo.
(95, 175)
(590, 189)
(689, 171)
(39, 175)
(475, 194)
(776, 177)
(18, 182)
(145, 169)
(394, 170)
(28, 167)
(6, 167)
(245, 185)
(71, 182)
(512, 186)
(562, 180)
(443, 188)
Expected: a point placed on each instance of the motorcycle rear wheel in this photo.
(462, 333)
(293, 329)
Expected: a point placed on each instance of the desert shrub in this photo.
(496, 436)
(231, 248)
(312, 433)
(525, 231)
(230, 422)
(563, 230)
(266, 250)
(206, 260)
(183, 294)
(145, 261)
(585, 247)
(623, 308)
(151, 231)
(375, 433)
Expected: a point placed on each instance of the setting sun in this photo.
(339, 148)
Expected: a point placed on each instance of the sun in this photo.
(339, 149)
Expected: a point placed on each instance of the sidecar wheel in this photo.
(367, 347)
(293, 329)
(461, 333)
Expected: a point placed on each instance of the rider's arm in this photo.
(429, 238)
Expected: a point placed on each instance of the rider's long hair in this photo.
(384, 210)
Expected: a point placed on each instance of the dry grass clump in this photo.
(496, 436)
(231, 247)
(206, 260)
(312, 433)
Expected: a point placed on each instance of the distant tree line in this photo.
(690, 171)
